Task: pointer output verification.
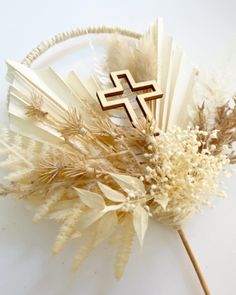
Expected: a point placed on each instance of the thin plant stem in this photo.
(194, 262)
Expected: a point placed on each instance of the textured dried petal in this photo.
(163, 201)
(140, 222)
(90, 218)
(106, 226)
(111, 194)
(90, 199)
(128, 182)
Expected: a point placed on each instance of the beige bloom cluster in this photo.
(181, 174)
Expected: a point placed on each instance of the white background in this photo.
(206, 30)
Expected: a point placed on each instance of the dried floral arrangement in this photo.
(99, 175)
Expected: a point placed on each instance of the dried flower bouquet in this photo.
(97, 175)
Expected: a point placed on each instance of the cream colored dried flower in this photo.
(182, 176)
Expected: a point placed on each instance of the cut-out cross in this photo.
(142, 99)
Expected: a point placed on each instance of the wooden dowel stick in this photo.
(194, 262)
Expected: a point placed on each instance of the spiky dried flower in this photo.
(49, 169)
(71, 124)
(75, 167)
(34, 109)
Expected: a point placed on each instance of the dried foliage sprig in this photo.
(221, 135)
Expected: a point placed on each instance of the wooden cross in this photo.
(142, 99)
